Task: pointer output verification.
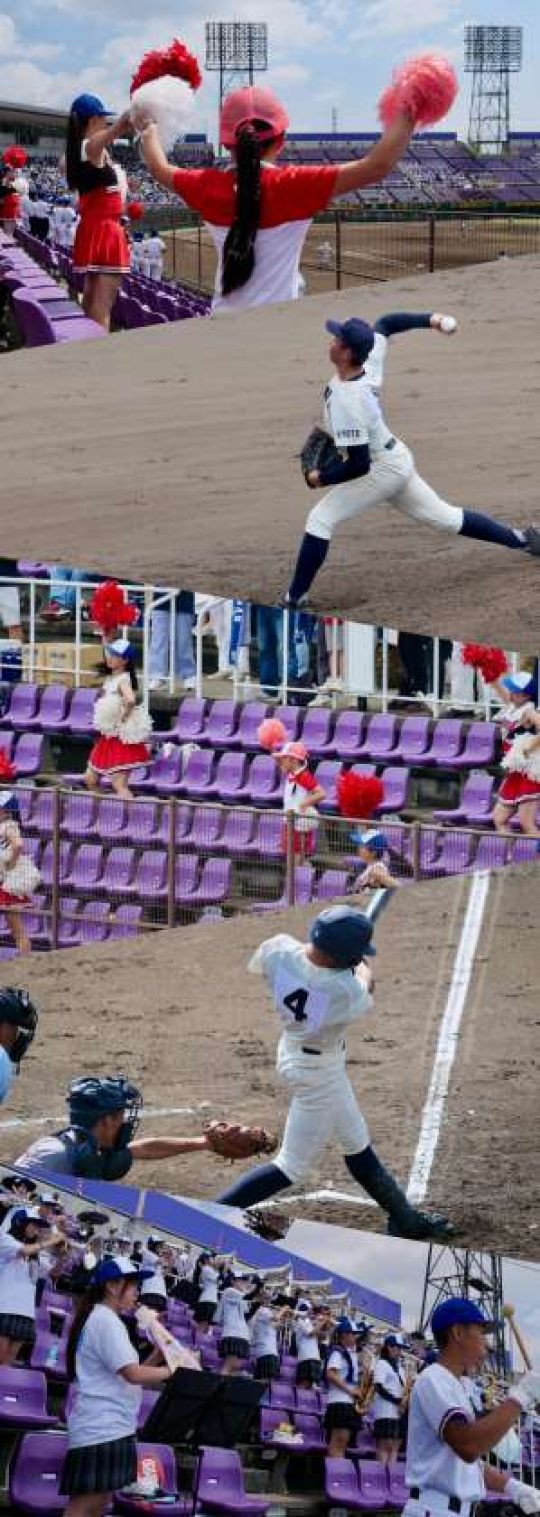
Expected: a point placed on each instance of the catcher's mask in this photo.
(18, 1010)
(344, 935)
(92, 1097)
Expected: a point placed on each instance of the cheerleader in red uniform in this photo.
(101, 249)
(12, 187)
(301, 796)
(520, 722)
(19, 877)
(123, 724)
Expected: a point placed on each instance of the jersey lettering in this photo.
(298, 1004)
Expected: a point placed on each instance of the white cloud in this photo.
(15, 47)
(386, 18)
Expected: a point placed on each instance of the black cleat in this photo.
(420, 1225)
(532, 541)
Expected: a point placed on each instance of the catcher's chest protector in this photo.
(91, 1163)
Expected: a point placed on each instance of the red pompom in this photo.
(135, 210)
(175, 61)
(424, 87)
(109, 607)
(7, 769)
(491, 662)
(272, 733)
(357, 794)
(15, 158)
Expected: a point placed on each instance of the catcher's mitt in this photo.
(318, 451)
(233, 1140)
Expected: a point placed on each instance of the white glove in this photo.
(523, 1495)
(527, 1391)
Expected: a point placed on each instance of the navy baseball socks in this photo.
(313, 551)
(404, 1221)
(485, 530)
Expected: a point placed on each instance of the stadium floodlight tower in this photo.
(478, 1276)
(236, 50)
(492, 54)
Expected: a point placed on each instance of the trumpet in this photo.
(365, 1391)
(407, 1388)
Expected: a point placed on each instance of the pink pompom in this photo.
(424, 87)
(272, 733)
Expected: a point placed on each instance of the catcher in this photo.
(100, 1144)
(18, 1022)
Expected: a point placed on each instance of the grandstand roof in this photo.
(32, 115)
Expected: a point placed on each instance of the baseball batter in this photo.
(375, 466)
(318, 989)
(447, 1443)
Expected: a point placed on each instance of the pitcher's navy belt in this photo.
(318, 1051)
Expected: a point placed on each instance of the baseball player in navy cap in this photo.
(374, 467)
(447, 1444)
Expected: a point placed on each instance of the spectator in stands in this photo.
(265, 1323)
(41, 216)
(102, 1420)
(10, 601)
(123, 724)
(185, 668)
(62, 601)
(19, 877)
(100, 250)
(301, 796)
(28, 1234)
(231, 1316)
(307, 1324)
(270, 635)
(206, 1282)
(259, 212)
(341, 1372)
(388, 1405)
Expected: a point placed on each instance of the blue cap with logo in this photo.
(356, 334)
(375, 841)
(458, 1311)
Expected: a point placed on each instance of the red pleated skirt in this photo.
(10, 207)
(516, 787)
(7, 899)
(110, 756)
(303, 842)
(101, 245)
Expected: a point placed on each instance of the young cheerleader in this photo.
(520, 722)
(301, 796)
(109, 1379)
(124, 725)
(258, 212)
(26, 1236)
(100, 249)
(19, 877)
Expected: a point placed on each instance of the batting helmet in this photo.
(17, 1009)
(92, 1097)
(344, 935)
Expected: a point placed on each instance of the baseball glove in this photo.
(231, 1140)
(319, 450)
(270, 1224)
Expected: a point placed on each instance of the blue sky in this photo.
(323, 53)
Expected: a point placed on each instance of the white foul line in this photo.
(148, 1111)
(433, 1112)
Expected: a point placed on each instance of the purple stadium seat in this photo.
(183, 818)
(271, 1417)
(491, 853)
(148, 1401)
(185, 875)
(221, 723)
(220, 1484)
(413, 740)
(309, 1425)
(480, 747)
(282, 1396)
(380, 739)
(163, 775)
(230, 776)
(27, 799)
(446, 742)
(189, 723)
(110, 819)
(65, 863)
(291, 716)
(35, 1472)
(453, 858)
(364, 1445)
(307, 1401)
(141, 821)
(476, 801)
(347, 737)
(207, 822)
(525, 851)
(341, 1485)
(79, 719)
(268, 836)
(326, 775)
(396, 787)
(78, 815)
(304, 876)
(237, 832)
(23, 1398)
(317, 729)
(24, 700)
(49, 1355)
(86, 868)
(332, 882)
(373, 1483)
(215, 882)
(252, 714)
(398, 1492)
(150, 879)
(118, 871)
(163, 1456)
(52, 709)
(264, 786)
(28, 754)
(199, 773)
(38, 330)
(127, 921)
(42, 814)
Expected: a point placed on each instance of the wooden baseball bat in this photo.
(509, 1313)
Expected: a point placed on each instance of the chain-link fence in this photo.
(349, 247)
(111, 868)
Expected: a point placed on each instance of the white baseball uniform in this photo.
(432, 1467)
(353, 416)
(154, 249)
(314, 1006)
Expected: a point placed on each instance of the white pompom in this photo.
(20, 184)
(168, 102)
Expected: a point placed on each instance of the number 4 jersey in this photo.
(314, 1005)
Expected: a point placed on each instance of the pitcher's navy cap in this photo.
(355, 333)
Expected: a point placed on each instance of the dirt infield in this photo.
(181, 1016)
(169, 454)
